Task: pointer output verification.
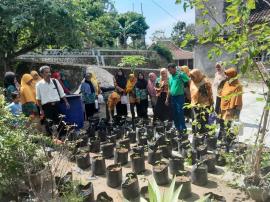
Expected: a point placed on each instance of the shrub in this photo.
(163, 51)
(19, 155)
(132, 61)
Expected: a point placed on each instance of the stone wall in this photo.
(97, 57)
(74, 73)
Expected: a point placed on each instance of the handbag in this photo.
(124, 100)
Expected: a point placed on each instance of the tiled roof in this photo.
(177, 53)
(261, 13)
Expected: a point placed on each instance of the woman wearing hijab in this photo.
(88, 96)
(219, 81)
(95, 83)
(120, 83)
(201, 98)
(57, 75)
(113, 99)
(231, 96)
(28, 96)
(162, 111)
(10, 85)
(130, 90)
(65, 82)
(152, 90)
(231, 101)
(36, 78)
(187, 111)
(142, 96)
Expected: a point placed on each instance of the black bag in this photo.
(56, 86)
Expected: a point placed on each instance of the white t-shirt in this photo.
(47, 92)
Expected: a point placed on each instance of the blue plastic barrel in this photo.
(74, 115)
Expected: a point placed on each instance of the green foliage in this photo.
(132, 61)
(19, 155)
(236, 36)
(169, 195)
(182, 34)
(26, 25)
(132, 25)
(163, 51)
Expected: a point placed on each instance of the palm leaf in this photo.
(169, 192)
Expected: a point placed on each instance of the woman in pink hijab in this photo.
(57, 75)
(151, 89)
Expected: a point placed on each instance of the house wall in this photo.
(201, 60)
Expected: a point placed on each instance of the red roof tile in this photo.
(177, 53)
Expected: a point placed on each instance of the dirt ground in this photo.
(215, 183)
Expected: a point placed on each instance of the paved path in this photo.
(252, 111)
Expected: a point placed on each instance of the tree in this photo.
(131, 25)
(99, 19)
(180, 30)
(246, 39)
(158, 35)
(26, 25)
(104, 30)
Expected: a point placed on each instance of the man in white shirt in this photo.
(48, 94)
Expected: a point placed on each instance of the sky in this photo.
(159, 14)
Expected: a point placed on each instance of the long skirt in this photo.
(121, 109)
(90, 110)
(162, 112)
(142, 109)
(217, 106)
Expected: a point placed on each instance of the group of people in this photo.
(35, 95)
(179, 94)
(38, 94)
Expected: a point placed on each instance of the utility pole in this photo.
(141, 9)
(133, 6)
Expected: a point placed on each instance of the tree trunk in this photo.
(258, 156)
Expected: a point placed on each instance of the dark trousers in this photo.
(177, 103)
(132, 110)
(51, 114)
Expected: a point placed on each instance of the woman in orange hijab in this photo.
(201, 98)
(28, 99)
(130, 90)
(231, 96)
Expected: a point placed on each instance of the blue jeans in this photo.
(177, 103)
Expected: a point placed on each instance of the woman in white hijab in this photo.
(218, 83)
